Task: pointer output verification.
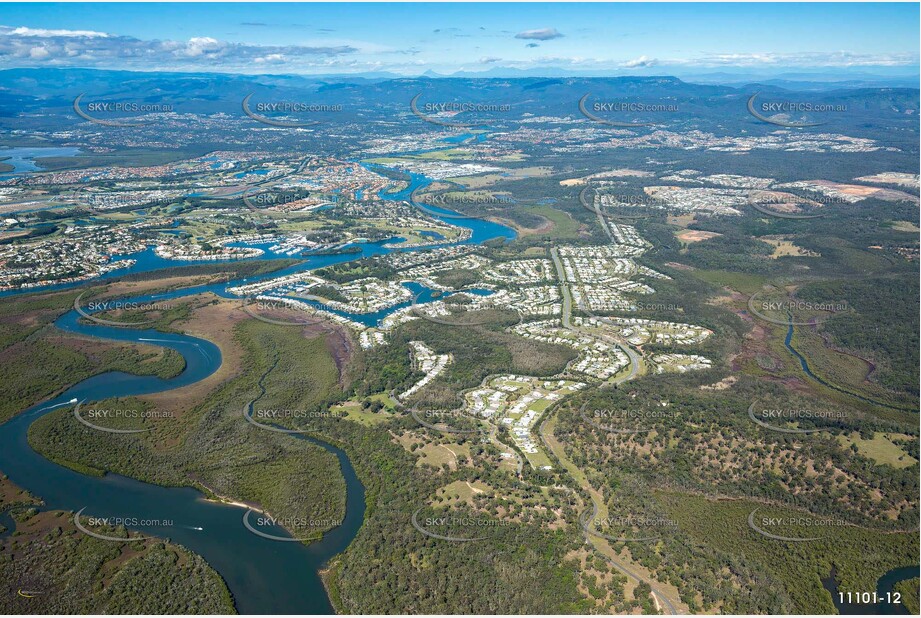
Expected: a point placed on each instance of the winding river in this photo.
(788, 342)
(264, 576)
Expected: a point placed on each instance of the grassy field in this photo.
(880, 449)
(744, 283)
(786, 248)
(353, 411)
(564, 226)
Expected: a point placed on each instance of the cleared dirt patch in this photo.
(689, 236)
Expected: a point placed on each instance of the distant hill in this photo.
(706, 106)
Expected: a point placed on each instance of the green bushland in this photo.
(356, 269)
(21, 316)
(882, 326)
(787, 575)
(329, 293)
(390, 567)
(76, 574)
(43, 366)
(40, 360)
(677, 457)
(144, 318)
(563, 228)
(814, 471)
(909, 590)
(457, 278)
(234, 270)
(211, 446)
(478, 351)
(851, 374)
(124, 158)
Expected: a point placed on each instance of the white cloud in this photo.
(271, 59)
(84, 48)
(41, 32)
(199, 46)
(641, 62)
(543, 34)
(36, 47)
(810, 59)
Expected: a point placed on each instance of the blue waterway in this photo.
(421, 294)
(788, 341)
(884, 586)
(463, 137)
(147, 260)
(23, 159)
(264, 576)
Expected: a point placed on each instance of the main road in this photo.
(566, 292)
(661, 598)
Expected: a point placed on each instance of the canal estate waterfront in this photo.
(274, 577)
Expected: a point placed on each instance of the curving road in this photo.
(635, 365)
(635, 360)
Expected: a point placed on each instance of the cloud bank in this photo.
(39, 47)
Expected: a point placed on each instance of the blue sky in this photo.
(415, 37)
